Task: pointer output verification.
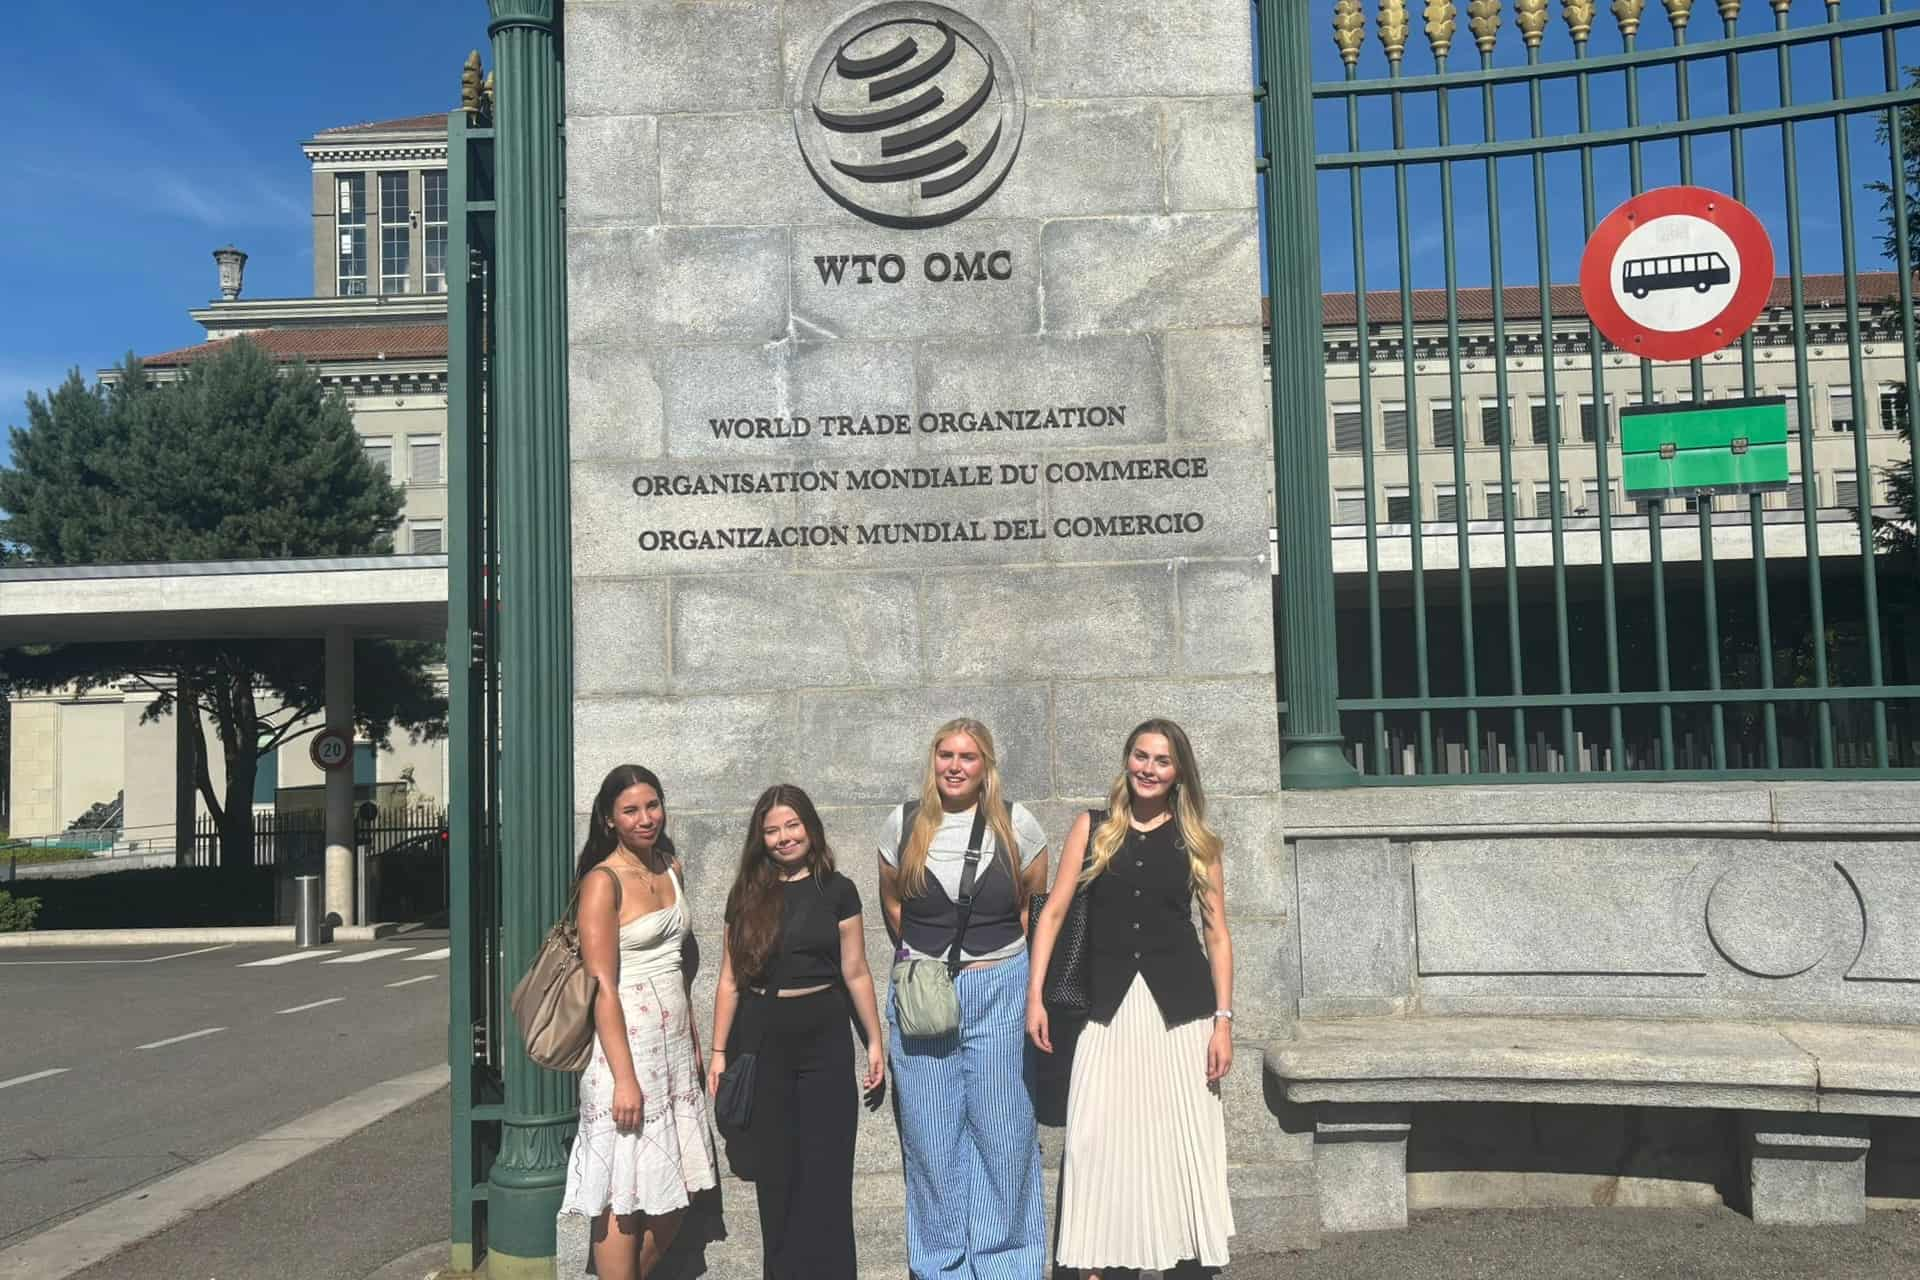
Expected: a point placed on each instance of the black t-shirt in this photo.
(811, 911)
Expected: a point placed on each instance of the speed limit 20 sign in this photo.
(1677, 273)
(331, 749)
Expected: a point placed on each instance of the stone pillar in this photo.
(1805, 1170)
(186, 758)
(338, 904)
(1360, 1160)
(536, 654)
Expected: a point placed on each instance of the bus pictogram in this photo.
(1697, 271)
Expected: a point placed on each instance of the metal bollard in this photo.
(306, 911)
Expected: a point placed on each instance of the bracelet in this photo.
(719, 1048)
(1223, 1013)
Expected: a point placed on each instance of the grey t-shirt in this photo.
(947, 857)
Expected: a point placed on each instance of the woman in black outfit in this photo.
(795, 954)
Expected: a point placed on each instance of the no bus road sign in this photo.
(1677, 273)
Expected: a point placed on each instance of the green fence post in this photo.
(536, 659)
(1311, 741)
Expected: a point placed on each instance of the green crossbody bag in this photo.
(923, 993)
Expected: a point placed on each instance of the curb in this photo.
(205, 937)
(101, 1232)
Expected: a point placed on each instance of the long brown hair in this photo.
(753, 904)
(600, 840)
(1188, 800)
(926, 821)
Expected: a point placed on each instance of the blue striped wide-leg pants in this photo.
(967, 1136)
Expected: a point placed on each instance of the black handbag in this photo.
(733, 1100)
(1067, 987)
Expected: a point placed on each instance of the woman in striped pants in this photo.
(967, 1132)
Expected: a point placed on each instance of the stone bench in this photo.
(1804, 1092)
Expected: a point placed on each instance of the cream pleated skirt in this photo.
(1144, 1183)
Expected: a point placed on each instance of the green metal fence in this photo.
(475, 999)
(1460, 380)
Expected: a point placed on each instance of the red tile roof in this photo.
(406, 124)
(1522, 302)
(326, 343)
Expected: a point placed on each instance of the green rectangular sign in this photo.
(1678, 450)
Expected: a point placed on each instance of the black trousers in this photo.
(805, 1113)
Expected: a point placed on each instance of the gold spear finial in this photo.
(1627, 14)
(1349, 30)
(1483, 19)
(1678, 12)
(1531, 17)
(1579, 16)
(1440, 15)
(470, 83)
(486, 92)
(1729, 10)
(1393, 28)
(1780, 7)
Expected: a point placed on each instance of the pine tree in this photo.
(236, 460)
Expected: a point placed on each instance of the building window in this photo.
(1446, 506)
(1543, 499)
(1840, 408)
(424, 539)
(1490, 423)
(1699, 503)
(1399, 506)
(423, 460)
(1496, 502)
(1443, 433)
(1644, 506)
(395, 233)
(1846, 489)
(351, 188)
(1542, 424)
(1393, 417)
(1348, 428)
(1594, 425)
(379, 451)
(1349, 506)
(1793, 409)
(1894, 413)
(433, 188)
(1590, 496)
(1796, 495)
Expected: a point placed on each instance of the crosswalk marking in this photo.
(191, 1035)
(288, 958)
(441, 954)
(407, 982)
(38, 1075)
(302, 1008)
(361, 957)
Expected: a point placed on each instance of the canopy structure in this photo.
(398, 597)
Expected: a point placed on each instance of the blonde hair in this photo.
(1187, 798)
(926, 821)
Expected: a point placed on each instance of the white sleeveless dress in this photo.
(655, 1168)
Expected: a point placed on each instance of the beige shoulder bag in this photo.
(553, 1003)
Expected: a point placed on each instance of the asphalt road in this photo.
(121, 1065)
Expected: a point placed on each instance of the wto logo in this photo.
(910, 115)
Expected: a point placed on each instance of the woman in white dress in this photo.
(1143, 1183)
(643, 1146)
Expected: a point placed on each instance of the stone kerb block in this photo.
(1806, 1170)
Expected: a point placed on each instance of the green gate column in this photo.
(536, 625)
(1312, 741)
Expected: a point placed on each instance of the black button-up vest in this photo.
(1140, 921)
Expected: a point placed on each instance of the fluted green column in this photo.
(1311, 743)
(536, 651)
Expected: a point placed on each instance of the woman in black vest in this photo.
(967, 1132)
(1144, 1181)
(795, 953)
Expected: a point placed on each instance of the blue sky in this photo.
(146, 135)
(143, 136)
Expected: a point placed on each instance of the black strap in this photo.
(965, 902)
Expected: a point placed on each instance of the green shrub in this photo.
(32, 854)
(159, 898)
(17, 913)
